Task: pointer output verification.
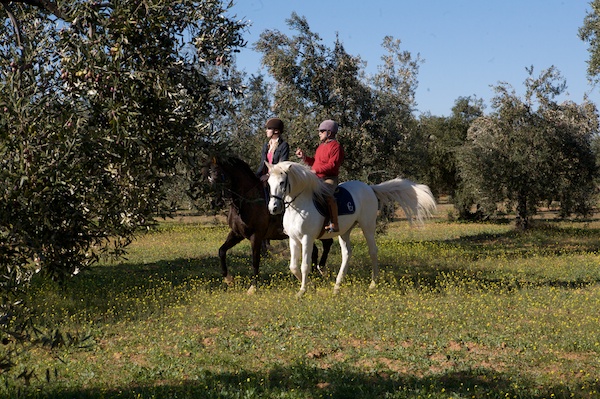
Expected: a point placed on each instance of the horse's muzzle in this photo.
(276, 206)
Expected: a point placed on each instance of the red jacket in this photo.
(328, 159)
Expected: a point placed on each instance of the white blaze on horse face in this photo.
(276, 205)
(213, 173)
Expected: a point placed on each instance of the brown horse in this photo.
(248, 214)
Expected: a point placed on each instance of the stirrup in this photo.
(332, 228)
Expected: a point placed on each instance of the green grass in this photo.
(462, 311)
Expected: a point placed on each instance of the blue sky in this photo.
(467, 45)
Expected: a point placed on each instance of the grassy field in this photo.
(462, 311)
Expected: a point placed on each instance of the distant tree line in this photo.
(528, 152)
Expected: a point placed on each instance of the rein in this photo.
(237, 196)
(234, 195)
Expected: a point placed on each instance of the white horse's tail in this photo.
(416, 200)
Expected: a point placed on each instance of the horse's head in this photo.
(209, 184)
(230, 178)
(287, 180)
(279, 186)
(211, 171)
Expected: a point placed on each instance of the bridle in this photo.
(221, 179)
(288, 188)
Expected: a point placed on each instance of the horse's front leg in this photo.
(231, 241)
(295, 248)
(307, 245)
(256, 249)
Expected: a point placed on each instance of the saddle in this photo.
(346, 205)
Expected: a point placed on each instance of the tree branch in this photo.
(47, 5)
(14, 22)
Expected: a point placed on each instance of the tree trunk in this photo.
(522, 220)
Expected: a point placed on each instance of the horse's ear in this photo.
(269, 166)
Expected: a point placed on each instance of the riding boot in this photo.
(333, 213)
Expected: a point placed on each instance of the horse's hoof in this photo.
(228, 280)
(300, 293)
(251, 290)
(373, 285)
(336, 290)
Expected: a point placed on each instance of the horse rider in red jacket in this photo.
(326, 164)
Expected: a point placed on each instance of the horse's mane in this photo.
(237, 163)
(300, 175)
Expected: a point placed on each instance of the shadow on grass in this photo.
(109, 293)
(422, 270)
(340, 381)
(552, 239)
(430, 264)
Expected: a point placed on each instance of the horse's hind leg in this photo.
(369, 234)
(344, 240)
(320, 263)
(327, 243)
(315, 255)
(231, 241)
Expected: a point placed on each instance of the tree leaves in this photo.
(316, 82)
(532, 150)
(100, 108)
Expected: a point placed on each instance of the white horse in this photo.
(295, 188)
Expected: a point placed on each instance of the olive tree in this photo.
(590, 33)
(99, 104)
(444, 137)
(316, 82)
(399, 148)
(247, 124)
(531, 151)
(312, 81)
